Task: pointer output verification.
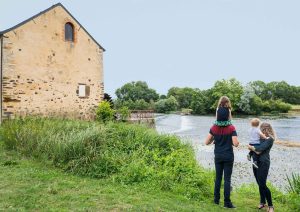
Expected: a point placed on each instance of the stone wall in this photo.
(42, 71)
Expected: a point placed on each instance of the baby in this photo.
(255, 136)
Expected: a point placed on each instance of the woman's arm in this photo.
(235, 141)
(209, 139)
(252, 148)
(264, 145)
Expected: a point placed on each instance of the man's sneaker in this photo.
(229, 205)
(249, 157)
(255, 165)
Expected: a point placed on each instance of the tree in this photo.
(198, 103)
(136, 91)
(166, 105)
(250, 103)
(231, 88)
(183, 96)
(108, 98)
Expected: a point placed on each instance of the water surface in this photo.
(195, 128)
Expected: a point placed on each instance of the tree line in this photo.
(255, 97)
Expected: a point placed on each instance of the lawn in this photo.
(30, 185)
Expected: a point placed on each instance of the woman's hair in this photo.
(224, 101)
(267, 129)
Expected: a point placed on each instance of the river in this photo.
(194, 129)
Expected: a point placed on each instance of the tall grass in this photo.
(129, 154)
(293, 183)
(293, 189)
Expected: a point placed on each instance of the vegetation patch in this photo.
(128, 154)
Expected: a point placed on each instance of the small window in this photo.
(83, 90)
(69, 32)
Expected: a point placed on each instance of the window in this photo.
(83, 90)
(69, 32)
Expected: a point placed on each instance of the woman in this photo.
(224, 138)
(263, 163)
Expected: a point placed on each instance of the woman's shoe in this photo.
(271, 209)
(217, 202)
(229, 205)
(261, 206)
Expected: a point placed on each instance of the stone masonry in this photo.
(41, 71)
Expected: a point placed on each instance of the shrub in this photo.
(127, 153)
(124, 113)
(166, 105)
(104, 112)
(134, 105)
(276, 106)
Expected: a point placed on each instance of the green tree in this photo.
(183, 96)
(136, 91)
(198, 104)
(166, 105)
(250, 103)
(231, 88)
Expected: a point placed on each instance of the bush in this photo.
(124, 113)
(166, 105)
(104, 112)
(276, 106)
(127, 153)
(134, 105)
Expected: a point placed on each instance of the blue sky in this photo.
(184, 42)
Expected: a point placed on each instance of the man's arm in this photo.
(235, 141)
(209, 139)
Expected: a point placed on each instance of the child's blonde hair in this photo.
(255, 122)
(224, 101)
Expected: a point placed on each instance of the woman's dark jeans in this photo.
(261, 175)
(226, 167)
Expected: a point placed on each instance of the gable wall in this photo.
(41, 71)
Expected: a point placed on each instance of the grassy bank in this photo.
(127, 154)
(64, 165)
(28, 184)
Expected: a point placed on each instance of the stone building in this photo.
(50, 65)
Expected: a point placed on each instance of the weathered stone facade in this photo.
(41, 71)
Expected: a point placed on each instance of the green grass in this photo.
(128, 154)
(60, 165)
(31, 185)
(295, 107)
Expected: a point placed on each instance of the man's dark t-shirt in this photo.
(223, 142)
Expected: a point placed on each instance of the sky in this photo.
(184, 42)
